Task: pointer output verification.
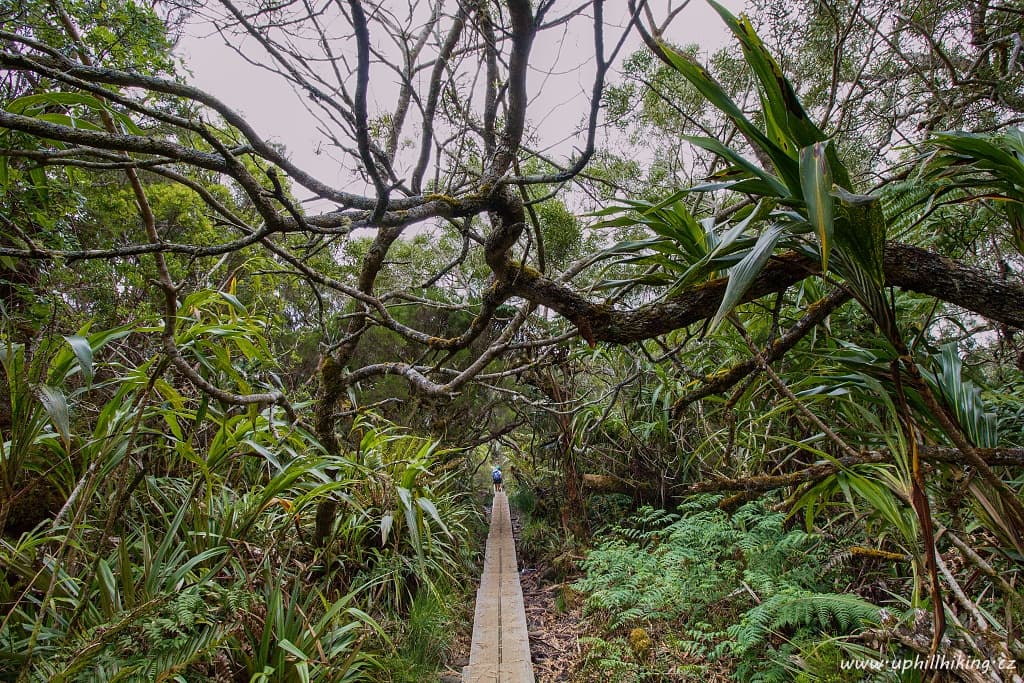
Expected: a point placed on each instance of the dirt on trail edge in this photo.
(554, 634)
(554, 625)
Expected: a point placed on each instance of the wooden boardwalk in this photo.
(501, 646)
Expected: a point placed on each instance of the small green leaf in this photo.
(386, 522)
(29, 104)
(109, 598)
(69, 121)
(56, 407)
(428, 506)
(235, 303)
(291, 649)
(40, 187)
(769, 182)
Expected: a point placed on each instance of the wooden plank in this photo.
(501, 646)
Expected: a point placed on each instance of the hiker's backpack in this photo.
(496, 476)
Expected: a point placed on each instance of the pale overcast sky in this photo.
(561, 99)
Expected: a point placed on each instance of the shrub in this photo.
(684, 569)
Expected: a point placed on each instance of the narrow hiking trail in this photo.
(500, 652)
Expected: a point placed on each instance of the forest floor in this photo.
(554, 628)
(553, 618)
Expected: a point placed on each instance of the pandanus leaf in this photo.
(743, 274)
(83, 351)
(787, 122)
(769, 185)
(705, 83)
(816, 183)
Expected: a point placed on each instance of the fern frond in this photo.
(184, 653)
(793, 609)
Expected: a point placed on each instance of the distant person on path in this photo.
(496, 478)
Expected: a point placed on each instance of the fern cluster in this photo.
(738, 586)
(147, 644)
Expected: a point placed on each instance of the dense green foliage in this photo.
(753, 356)
(174, 550)
(709, 587)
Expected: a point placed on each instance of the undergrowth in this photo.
(424, 637)
(183, 548)
(676, 591)
(540, 540)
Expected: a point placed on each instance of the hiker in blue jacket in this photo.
(496, 478)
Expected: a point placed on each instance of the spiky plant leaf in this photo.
(743, 274)
(787, 122)
(816, 183)
(700, 78)
(746, 170)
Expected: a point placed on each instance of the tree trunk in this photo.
(574, 508)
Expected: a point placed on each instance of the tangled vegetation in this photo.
(161, 534)
(716, 586)
(752, 351)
